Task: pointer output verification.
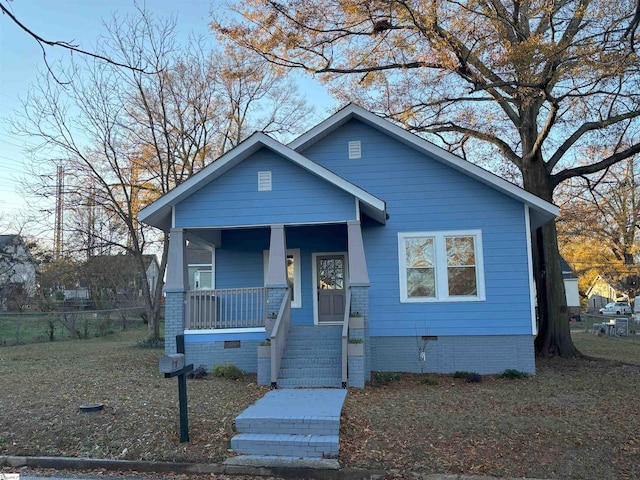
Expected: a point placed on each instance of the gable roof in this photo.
(6, 239)
(159, 212)
(541, 210)
(567, 272)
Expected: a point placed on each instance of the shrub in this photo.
(474, 378)
(513, 374)
(228, 371)
(384, 378)
(356, 340)
(430, 380)
(460, 374)
(199, 372)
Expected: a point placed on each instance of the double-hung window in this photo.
(441, 266)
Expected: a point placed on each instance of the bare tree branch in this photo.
(66, 45)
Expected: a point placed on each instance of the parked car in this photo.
(616, 308)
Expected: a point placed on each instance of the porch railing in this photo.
(225, 308)
(345, 339)
(279, 337)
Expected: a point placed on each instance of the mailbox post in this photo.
(173, 366)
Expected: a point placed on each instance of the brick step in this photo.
(304, 372)
(290, 426)
(302, 446)
(315, 332)
(298, 361)
(332, 382)
(300, 353)
(319, 349)
(314, 341)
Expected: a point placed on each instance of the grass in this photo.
(575, 419)
(19, 329)
(44, 384)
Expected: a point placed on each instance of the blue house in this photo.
(358, 247)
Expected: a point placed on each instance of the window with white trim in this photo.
(441, 266)
(293, 274)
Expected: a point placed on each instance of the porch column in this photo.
(277, 272)
(175, 289)
(277, 281)
(358, 274)
(359, 286)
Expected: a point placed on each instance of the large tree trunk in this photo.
(554, 334)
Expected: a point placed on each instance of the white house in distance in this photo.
(571, 291)
(17, 267)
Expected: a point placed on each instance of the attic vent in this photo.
(355, 150)
(264, 181)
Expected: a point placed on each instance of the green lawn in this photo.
(18, 329)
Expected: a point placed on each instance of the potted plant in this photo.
(356, 320)
(264, 349)
(355, 348)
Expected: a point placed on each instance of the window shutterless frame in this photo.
(441, 266)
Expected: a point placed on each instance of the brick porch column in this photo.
(175, 289)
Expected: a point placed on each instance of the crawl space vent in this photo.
(355, 150)
(264, 181)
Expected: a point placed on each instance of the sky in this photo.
(79, 22)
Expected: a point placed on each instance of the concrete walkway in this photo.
(290, 424)
(309, 404)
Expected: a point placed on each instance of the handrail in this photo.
(279, 337)
(345, 339)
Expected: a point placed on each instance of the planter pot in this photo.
(355, 349)
(356, 322)
(264, 351)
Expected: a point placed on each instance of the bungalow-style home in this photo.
(17, 272)
(357, 247)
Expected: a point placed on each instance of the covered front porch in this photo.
(260, 287)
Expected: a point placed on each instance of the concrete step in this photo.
(304, 446)
(290, 426)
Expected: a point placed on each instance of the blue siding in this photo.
(234, 199)
(424, 195)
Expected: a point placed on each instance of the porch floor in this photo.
(291, 423)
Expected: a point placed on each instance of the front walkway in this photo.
(302, 423)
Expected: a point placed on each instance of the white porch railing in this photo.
(226, 308)
(279, 337)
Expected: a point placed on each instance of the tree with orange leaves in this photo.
(532, 83)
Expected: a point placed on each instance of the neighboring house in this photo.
(601, 292)
(356, 215)
(200, 261)
(17, 270)
(571, 291)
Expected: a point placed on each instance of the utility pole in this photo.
(58, 232)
